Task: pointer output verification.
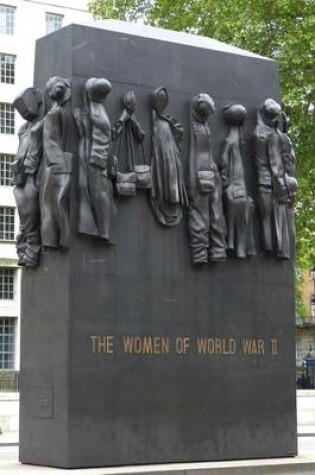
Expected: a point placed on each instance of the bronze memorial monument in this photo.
(154, 183)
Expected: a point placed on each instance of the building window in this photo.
(6, 161)
(300, 350)
(7, 68)
(6, 223)
(313, 306)
(6, 118)
(7, 19)
(53, 22)
(6, 283)
(7, 341)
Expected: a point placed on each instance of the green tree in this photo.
(129, 10)
(279, 29)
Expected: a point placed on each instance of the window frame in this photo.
(6, 160)
(7, 283)
(52, 22)
(7, 223)
(7, 68)
(8, 331)
(7, 21)
(7, 118)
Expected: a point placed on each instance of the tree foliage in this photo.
(128, 10)
(279, 29)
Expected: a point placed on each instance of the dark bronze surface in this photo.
(57, 166)
(138, 356)
(96, 162)
(168, 194)
(239, 207)
(275, 161)
(129, 150)
(206, 222)
(25, 171)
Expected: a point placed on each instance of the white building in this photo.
(21, 23)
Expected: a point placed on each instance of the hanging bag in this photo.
(125, 181)
(205, 180)
(143, 173)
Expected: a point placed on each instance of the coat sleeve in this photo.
(35, 151)
(53, 138)
(223, 164)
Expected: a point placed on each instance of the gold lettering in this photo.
(102, 344)
(261, 346)
(157, 345)
(217, 346)
(137, 345)
(165, 345)
(210, 346)
(93, 338)
(146, 345)
(182, 345)
(127, 344)
(274, 347)
(253, 347)
(247, 346)
(231, 346)
(202, 345)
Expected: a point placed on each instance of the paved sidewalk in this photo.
(303, 464)
(9, 438)
(306, 431)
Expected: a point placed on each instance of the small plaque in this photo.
(42, 402)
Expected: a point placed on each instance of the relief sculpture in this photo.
(25, 171)
(168, 193)
(96, 162)
(238, 204)
(220, 210)
(206, 222)
(57, 166)
(133, 172)
(274, 160)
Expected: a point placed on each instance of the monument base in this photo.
(302, 464)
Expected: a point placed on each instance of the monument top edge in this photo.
(170, 36)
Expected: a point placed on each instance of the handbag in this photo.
(126, 183)
(284, 188)
(125, 180)
(143, 173)
(205, 180)
(132, 176)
